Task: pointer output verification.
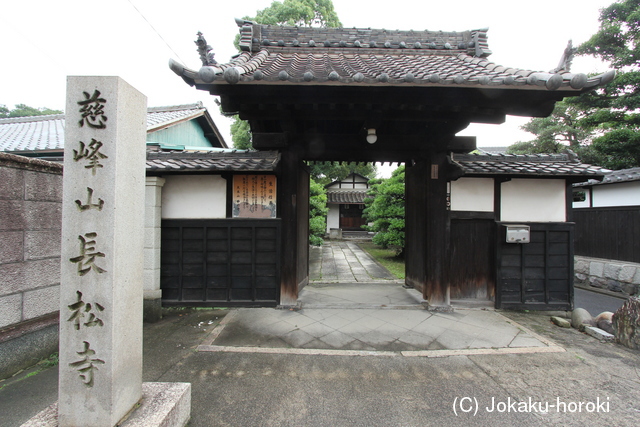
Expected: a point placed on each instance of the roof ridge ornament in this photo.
(566, 59)
(205, 51)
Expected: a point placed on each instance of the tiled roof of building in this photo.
(46, 133)
(342, 56)
(262, 161)
(346, 197)
(614, 177)
(37, 133)
(162, 117)
(493, 150)
(562, 165)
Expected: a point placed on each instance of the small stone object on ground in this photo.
(599, 333)
(626, 323)
(559, 321)
(580, 317)
(603, 321)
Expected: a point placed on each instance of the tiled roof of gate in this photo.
(263, 161)
(46, 133)
(565, 165)
(342, 56)
(613, 177)
(346, 196)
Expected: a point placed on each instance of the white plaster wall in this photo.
(622, 194)
(349, 186)
(472, 194)
(333, 217)
(533, 200)
(194, 197)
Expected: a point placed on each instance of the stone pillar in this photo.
(152, 306)
(102, 252)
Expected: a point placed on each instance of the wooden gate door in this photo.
(227, 261)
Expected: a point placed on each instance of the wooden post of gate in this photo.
(438, 233)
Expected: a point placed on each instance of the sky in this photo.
(42, 42)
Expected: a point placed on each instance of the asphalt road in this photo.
(595, 303)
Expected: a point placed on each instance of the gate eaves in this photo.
(321, 89)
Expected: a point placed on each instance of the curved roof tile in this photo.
(264, 161)
(561, 165)
(298, 55)
(346, 197)
(613, 177)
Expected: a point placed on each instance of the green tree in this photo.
(22, 110)
(241, 134)
(385, 209)
(555, 133)
(303, 13)
(602, 126)
(317, 213)
(612, 111)
(327, 172)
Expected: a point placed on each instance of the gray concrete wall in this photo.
(615, 276)
(30, 219)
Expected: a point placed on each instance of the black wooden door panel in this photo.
(536, 275)
(213, 262)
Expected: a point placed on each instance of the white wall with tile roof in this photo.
(194, 197)
(533, 200)
(622, 194)
(472, 194)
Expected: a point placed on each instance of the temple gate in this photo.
(367, 95)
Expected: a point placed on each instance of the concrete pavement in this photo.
(279, 389)
(366, 354)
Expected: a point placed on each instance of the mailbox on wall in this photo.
(518, 233)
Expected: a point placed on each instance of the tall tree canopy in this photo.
(554, 133)
(303, 13)
(612, 111)
(22, 110)
(603, 126)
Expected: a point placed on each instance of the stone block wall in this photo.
(611, 275)
(30, 220)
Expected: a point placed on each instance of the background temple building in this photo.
(345, 200)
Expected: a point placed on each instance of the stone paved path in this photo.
(344, 262)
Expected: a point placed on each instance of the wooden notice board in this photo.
(254, 196)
